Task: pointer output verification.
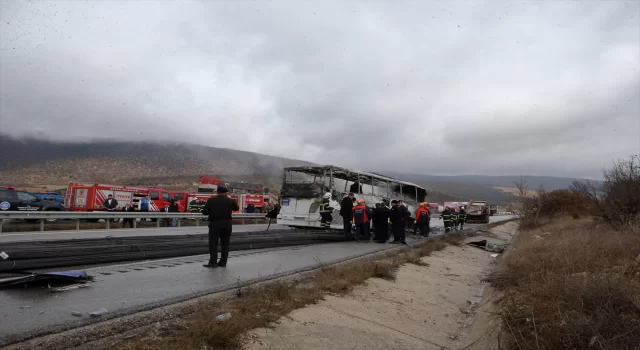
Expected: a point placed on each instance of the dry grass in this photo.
(571, 285)
(261, 307)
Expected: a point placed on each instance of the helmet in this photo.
(327, 195)
(360, 201)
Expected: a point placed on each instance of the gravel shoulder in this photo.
(437, 306)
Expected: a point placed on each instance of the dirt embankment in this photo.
(570, 284)
(429, 306)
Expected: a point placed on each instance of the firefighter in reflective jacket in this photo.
(446, 217)
(422, 215)
(454, 219)
(325, 211)
(462, 217)
(361, 220)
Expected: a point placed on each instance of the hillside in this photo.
(42, 162)
(549, 183)
(39, 164)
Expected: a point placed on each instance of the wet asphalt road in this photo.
(131, 287)
(53, 235)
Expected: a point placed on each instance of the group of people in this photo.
(381, 219)
(453, 219)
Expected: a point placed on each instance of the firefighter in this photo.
(454, 219)
(325, 211)
(398, 222)
(462, 217)
(421, 220)
(445, 216)
(361, 220)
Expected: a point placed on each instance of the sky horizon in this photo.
(466, 87)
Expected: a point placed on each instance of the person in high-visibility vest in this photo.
(325, 211)
(445, 216)
(421, 220)
(454, 219)
(462, 217)
(361, 220)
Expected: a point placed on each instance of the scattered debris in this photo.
(30, 277)
(494, 255)
(98, 312)
(490, 247)
(223, 317)
(76, 313)
(25, 307)
(537, 237)
(71, 287)
(130, 336)
(4, 255)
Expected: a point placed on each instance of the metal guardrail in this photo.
(43, 216)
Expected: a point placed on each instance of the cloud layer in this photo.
(458, 87)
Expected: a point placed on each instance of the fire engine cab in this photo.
(91, 197)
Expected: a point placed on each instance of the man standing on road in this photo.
(346, 206)
(398, 222)
(219, 210)
(421, 220)
(381, 222)
(361, 220)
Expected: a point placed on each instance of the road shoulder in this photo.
(427, 307)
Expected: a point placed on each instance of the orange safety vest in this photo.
(360, 210)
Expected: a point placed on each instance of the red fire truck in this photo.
(91, 197)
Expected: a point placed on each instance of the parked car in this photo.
(14, 200)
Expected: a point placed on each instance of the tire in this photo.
(51, 221)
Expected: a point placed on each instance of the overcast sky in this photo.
(451, 87)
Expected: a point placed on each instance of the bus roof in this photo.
(348, 174)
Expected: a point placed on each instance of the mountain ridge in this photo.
(30, 161)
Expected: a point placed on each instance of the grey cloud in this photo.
(427, 87)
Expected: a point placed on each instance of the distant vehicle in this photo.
(478, 211)
(50, 196)
(493, 210)
(303, 188)
(13, 200)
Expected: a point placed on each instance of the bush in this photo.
(616, 201)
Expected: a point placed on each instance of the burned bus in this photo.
(303, 188)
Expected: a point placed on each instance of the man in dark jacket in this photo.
(127, 221)
(381, 216)
(398, 222)
(345, 211)
(219, 210)
(110, 203)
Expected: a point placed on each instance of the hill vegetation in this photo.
(33, 163)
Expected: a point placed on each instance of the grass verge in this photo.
(571, 284)
(262, 306)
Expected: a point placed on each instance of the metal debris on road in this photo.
(98, 312)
